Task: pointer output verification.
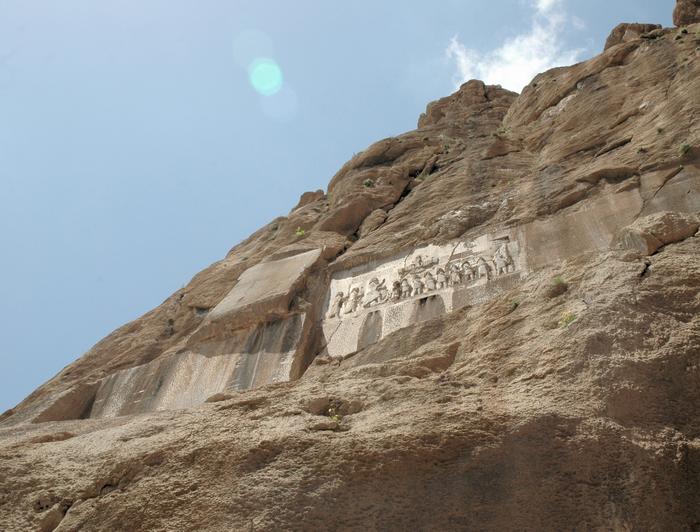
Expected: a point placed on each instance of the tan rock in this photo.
(646, 235)
(517, 402)
(628, 32)
(266, 290)
(309, 197)
(372, 222)
(686, 12)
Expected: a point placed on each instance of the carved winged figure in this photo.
(418, 266)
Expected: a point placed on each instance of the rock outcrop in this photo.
(686, 12)
(491, 322)
(627, 32)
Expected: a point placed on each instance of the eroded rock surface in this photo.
(686, 12)
(489, 323)
(627, 32)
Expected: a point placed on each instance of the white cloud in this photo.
(514, 63)
(543, 6)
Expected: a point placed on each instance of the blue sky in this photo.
(134, 150)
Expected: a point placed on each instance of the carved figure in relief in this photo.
(455, 276)
(502, 260)
(337, 305)
(406, 289)
(429, 281)
(417, 285)
(354, 300)
(419, 265)
(482, 268)
(396, 291)
(468, 271)
(377, 292)
(441, 279)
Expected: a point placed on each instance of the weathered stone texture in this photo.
(556, 391)
(686, 12)
(627, 32)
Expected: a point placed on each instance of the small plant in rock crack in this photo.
(684, 149)
(514, 305)
(501, 131)
(567, 318)
(300, 232)
(557, 287)
(334, 415)
(369, 183)
(424, 173)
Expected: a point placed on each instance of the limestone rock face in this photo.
(647, 234)
(626, 32)
(686, 12)
(491, 322)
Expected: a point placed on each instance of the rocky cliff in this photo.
(490, 322)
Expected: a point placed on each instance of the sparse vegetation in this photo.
(684, 149)
(501, 131)
(300, 232)
(423, 174)
(334, 415)
(567, 318)
(514, 305)
(659, 130)
(556, 288)
(369, 183)
(641, 149)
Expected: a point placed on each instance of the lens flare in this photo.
(265, 76)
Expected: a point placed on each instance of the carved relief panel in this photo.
(392, 288)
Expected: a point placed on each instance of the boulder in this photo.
(627, 32)
(309, 197)
(686, 12)
(649, 233)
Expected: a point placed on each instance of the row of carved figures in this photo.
(419, 278)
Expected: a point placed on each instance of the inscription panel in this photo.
(420, 285)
